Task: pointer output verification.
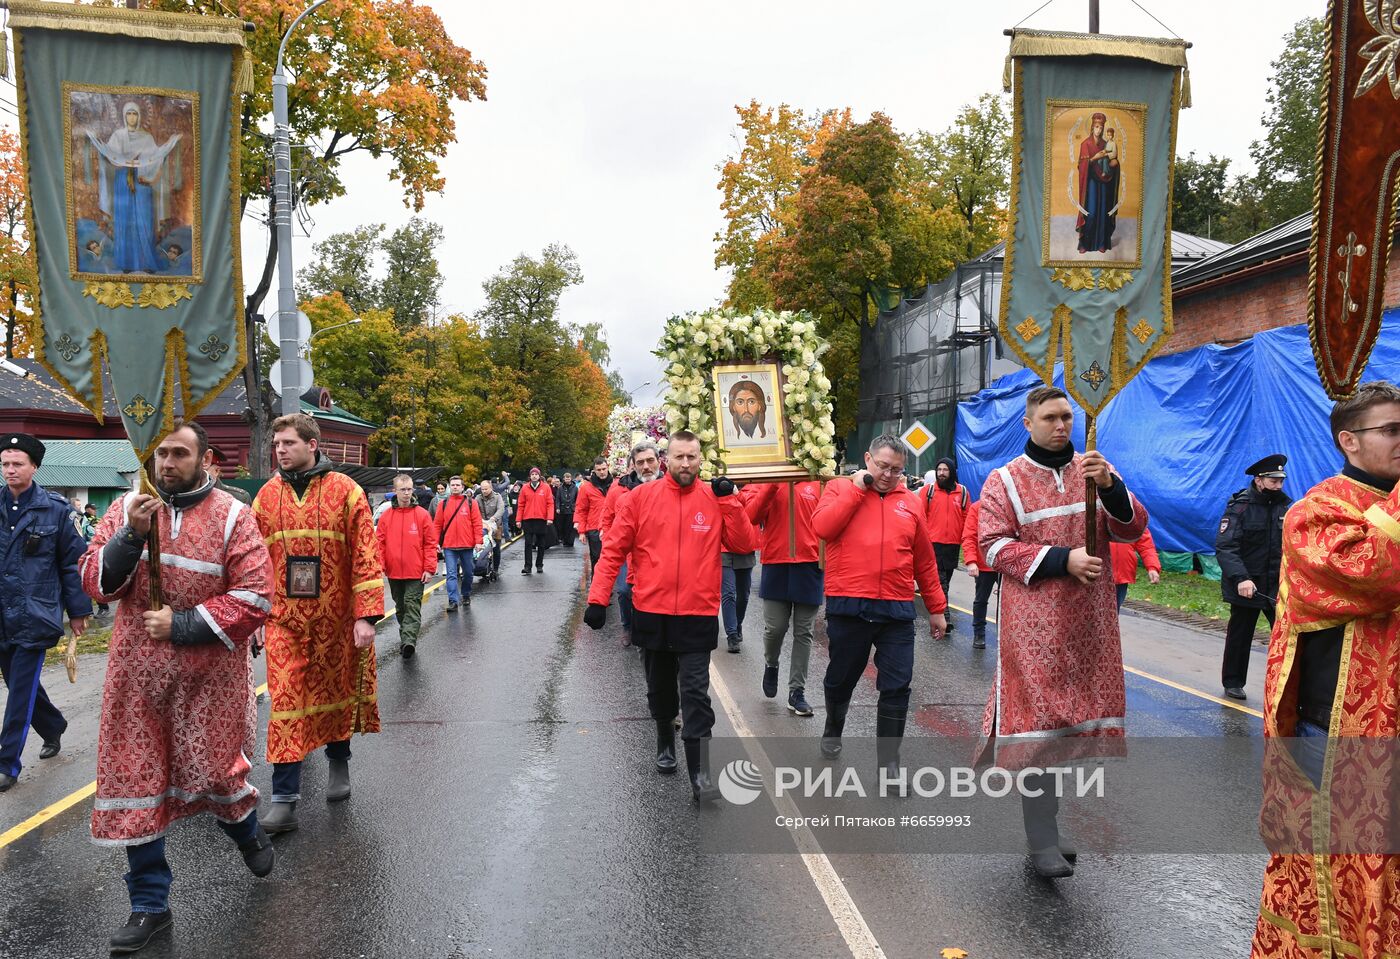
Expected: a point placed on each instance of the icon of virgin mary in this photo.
(133, 192)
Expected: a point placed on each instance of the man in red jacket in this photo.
(985, 577)
(675, 528)
(1125, 563)
(877, 548)
(646, 466)
(408, 541)
(945, 508)
(791, 587)
(534, 513)
(459, 533)
(588, 511)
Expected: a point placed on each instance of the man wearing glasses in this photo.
(877, 549)
(1334, 666)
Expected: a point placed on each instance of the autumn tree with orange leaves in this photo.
(17, 266)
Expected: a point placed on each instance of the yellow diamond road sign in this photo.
(917, 438)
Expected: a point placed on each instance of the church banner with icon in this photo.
(1087, 277)
(1358, 187)
(130, 129)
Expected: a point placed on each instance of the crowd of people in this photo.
(299, 574)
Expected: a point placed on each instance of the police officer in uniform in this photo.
(1249, 548)
(40, 545)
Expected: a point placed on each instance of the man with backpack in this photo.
(459, 533)
(945, 509)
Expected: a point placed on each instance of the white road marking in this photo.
(839, 903)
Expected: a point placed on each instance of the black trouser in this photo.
(536, 534)
(850, 640)
(595, 547)
(564, 523)
(947, 556)
(680, 682)
(1239, 637)
(986, 582)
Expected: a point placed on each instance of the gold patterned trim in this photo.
(1048, 43)
(196, 276)
(146, 24)
(1383, 521)
(1074, 278)
(367, 584)
(1115, 279)
(354, 701)
(282, 534)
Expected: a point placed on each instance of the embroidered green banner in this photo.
(1087, 276)
(129, 122)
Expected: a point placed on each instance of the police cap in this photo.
(25, 442)
(1270, 466)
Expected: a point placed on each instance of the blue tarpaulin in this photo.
(1184, 430)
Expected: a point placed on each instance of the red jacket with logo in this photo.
(674, 535)
(535, 503)
(459, 522)
(944, 512)
(610, 504)
(970, 553)
(1125, 558)
(767, 505)
(877, 547)
(408, 542)
(588, 511)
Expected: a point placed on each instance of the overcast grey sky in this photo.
(605, 122)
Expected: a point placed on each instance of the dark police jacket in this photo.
(39, 577)
(566, 498)
(1250, 546)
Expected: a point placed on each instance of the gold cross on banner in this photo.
(1094, 375)
(1143, 331)
(1350, 249)
(1029, 330)
(139, 409)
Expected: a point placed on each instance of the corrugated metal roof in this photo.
(71, 477)
(96, 464)
(1290, 237)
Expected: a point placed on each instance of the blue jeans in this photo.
(286, 777)
(460, 570)
(624, 598)
(1310, 750)
(734, 592)
(148, 873)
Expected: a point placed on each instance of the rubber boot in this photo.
(280, 817)
(835, 724)
(338, 783)
(665, 747)
(889, 727)
(697, 760)
(1039, 814)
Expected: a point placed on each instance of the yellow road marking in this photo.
(1158, 679)
(72, 799)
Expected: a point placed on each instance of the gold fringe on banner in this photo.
(1006, 75)
(1185, 87)
(243, 80)
(1043, 43)
(146, 24)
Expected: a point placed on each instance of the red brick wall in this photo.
(1235, 311)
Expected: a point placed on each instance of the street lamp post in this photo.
(292, 386)
(327, 329)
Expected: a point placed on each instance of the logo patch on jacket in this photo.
(700, 526)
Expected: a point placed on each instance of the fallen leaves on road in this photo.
(953, 953)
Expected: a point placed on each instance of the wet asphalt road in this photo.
(509, 808)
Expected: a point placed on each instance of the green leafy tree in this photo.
(1201, 197)
(412, 281)
(968, 166)
(343, 263)
(1286, 155)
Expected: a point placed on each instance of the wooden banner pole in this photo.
(155, 598)
(1091, 491)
